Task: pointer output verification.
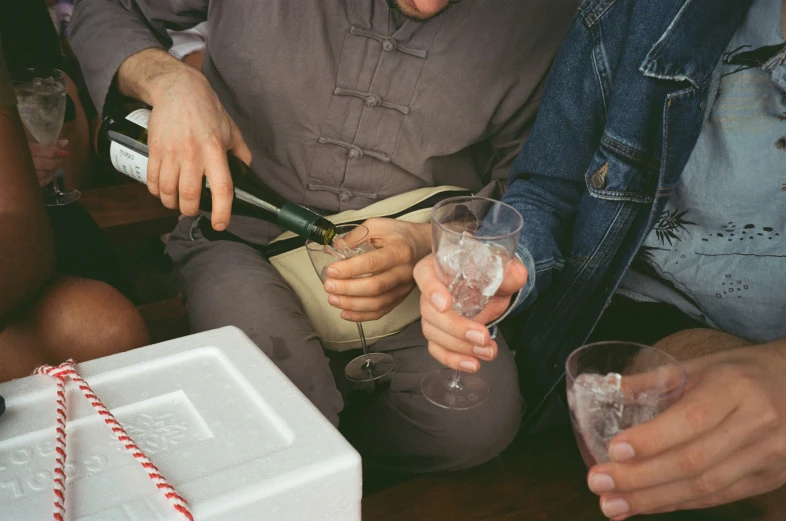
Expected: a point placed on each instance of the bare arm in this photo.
(26, 250)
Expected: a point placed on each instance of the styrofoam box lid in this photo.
(228, 430)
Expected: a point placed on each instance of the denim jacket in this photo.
(624, 105)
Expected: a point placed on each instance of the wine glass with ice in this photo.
(350, 241)
(613, 386)
(473, 239)
(41, 101)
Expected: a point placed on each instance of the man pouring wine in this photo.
(335, 106)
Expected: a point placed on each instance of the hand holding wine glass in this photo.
(41, 101)
(48, 160)
(447, 331)
(351, 241)
(474, 241)
(368, 287)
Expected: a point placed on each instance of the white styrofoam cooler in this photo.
(221, 422)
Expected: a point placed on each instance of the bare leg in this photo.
(72, 318)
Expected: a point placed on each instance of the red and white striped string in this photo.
(68, 371)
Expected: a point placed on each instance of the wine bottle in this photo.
(123, 140)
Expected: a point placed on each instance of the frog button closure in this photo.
(388, 45)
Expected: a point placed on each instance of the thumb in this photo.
(514, 279)
(238, 146)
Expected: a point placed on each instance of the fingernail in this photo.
(600, 483)
(468, 366)
(483, 352)
(220, 227)
(332, 272)
(62, 143)
(330, 287)
(333, 300)
(614, 507)
(62, 153)
(439, 301)
(620, 452)
(476, 337)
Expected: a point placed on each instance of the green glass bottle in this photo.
(123, 140)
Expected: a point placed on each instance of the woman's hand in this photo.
(48, 159)
(455, 341)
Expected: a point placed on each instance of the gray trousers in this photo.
(393, 426)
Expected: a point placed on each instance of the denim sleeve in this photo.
(547, 181)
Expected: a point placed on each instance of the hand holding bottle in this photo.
(189, 133)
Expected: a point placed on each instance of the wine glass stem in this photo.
(56, 182)
(362, 339)
(456, 382)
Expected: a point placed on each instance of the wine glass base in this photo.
(62, 198)
(368, 368)
(442, 389)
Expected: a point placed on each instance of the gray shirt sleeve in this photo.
(104, 33)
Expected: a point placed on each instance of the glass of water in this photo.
(473, 239)
(613, 386)
(351, 240)
(41, 101)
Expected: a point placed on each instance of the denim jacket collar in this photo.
(684, 54)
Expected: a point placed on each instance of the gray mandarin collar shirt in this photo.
(346, 102)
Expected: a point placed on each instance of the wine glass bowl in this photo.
(473, 240)
(613, 386)
(351, 240)
(41, 102)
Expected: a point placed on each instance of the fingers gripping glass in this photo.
(41, 101)
(473, 239)
(351, 240)
(613, 386)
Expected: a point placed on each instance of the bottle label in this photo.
(128, 162)
(139, 117)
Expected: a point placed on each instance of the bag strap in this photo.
(290, 242)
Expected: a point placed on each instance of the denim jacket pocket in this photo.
(618, 172)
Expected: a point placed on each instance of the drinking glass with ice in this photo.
(351, 240)
(613, 386)
(473, 239)
(41, 102)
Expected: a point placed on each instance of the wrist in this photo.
(149, 74)
(422, 237)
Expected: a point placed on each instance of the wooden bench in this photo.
(128, 211)
(541, 478)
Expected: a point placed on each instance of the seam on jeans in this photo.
(629, 151)
(567, 295)
(595, 46)
(646, 66)
(595, 12)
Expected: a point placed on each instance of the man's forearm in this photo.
(146, 74)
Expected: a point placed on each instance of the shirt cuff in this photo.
(523, 255)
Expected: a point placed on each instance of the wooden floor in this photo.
(539, 479)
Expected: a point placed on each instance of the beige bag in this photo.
(295, 267)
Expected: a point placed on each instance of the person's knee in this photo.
(693, 343)
(86, 319)
(483, 435)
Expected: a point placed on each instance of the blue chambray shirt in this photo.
(718, 249)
